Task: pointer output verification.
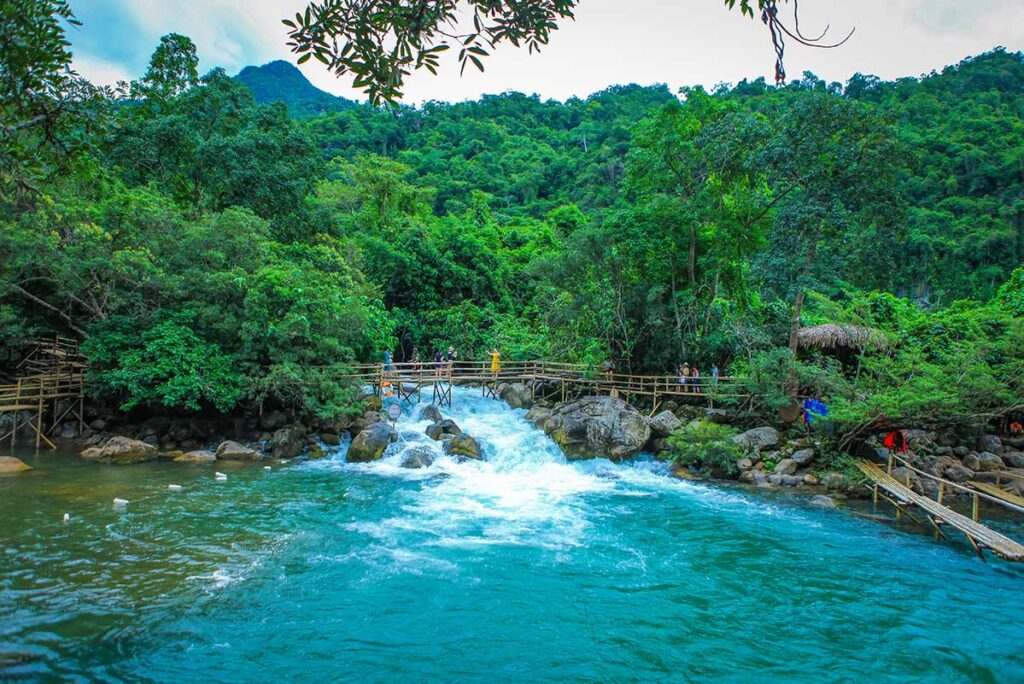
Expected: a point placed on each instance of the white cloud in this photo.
(98, 70)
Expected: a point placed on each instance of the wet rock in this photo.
(753, 441)
(330, 439)
(231, 450)
(371, 443)
(718, 416)
(971, 461)
(538, 415)
(122, 451)
(443, 428)
(744, 464)
(822, 501)
(786, 466)
(418, 457)
(989, 461)
(811, 480)
(598, 427)
(664, 424)
(463, 445)
(372, 403)
(959, 473)
(431, 413)
(10, 465)
(960, 451)
(199, 456)
(991, 444)
(98, 425)
(152, 440)
(288, 442)
(803, 457)
(364, 421)
(68, 430)
(517, 395)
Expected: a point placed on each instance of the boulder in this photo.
(906, 476)
(272, 420)
(152, 440)
(988, 461)
(664, 424)
(366, 420)
(971, 461)
(822, 501)
(959, 473)
(990, 443)
(371, 443)
(961, 451)
(231, 450)
(803, 457)
(786, 466)
(744, 464)
(201, 456)
(67, 430)
(1015, 459)
(288, 442)
(598, 427)
(417, 457)
(98, 425)
(538, 415)
(330, 439)
(122, 451)
(372, 403)
(463, 445)
(431, 413)
(443, 428)
(753, 441)
(11, 466)
(811, 480)
(517, 395)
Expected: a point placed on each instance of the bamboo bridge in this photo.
(903, 497)
(546, 380)
(48, 388)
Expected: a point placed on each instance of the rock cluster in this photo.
(597, 427)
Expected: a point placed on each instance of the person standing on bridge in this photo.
(695, 379)
(684, 374)
(387, 360)
(609, 369)
(495, 360)
(415, 356)
(714, 374)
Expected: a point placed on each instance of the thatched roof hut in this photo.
(834, 337)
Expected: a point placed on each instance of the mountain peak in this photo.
(281, 81)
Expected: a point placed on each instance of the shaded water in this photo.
(523, 567)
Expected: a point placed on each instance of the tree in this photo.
(48, 114)
(381, 43)
(173, 69)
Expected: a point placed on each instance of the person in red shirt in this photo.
(896, 441)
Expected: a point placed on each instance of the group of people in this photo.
(449, 358)
(689, 378)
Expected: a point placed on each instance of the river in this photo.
(521, 567)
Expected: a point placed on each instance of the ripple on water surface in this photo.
(522, 566)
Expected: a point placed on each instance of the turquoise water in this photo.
(523, 567)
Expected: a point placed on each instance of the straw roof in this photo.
(833, 336)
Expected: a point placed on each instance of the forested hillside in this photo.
(216, 252)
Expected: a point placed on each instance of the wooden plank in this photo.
(999, 493)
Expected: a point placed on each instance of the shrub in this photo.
(707, 446)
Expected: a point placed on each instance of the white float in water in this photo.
(174, 487)
(220, 476)
(120, 502)
(67, 517)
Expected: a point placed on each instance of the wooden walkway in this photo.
(48, 389)
(545, 379)
(980, 536)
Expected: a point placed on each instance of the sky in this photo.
(678, 42)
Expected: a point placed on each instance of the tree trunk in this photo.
(693, 255)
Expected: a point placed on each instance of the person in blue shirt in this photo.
(814, 411)
(387, 360)
(714, 374)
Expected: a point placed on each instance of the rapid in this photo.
(522, 566)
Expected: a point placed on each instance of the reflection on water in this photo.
(520, 566)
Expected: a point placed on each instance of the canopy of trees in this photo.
(216, 253)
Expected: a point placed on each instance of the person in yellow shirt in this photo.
(495, 360)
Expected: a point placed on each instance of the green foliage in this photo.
(707, 446)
